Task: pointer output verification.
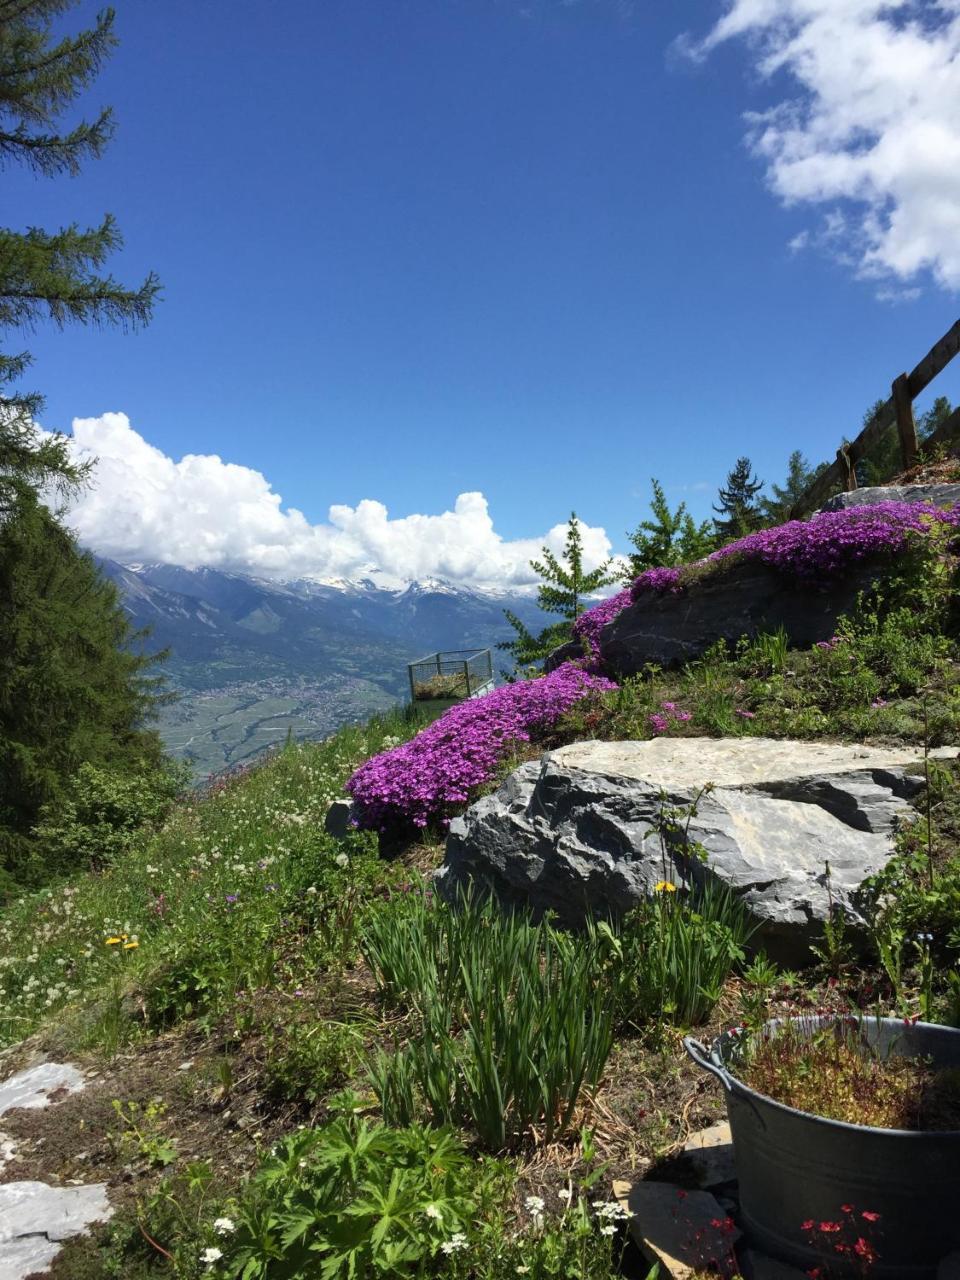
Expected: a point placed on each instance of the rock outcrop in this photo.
(941, 495)
(578, 833)
(742, 599)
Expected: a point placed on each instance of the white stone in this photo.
(32, 1088)
(35, 1219)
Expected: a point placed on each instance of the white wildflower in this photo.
(210, 1256)
(224, 1226)
(609, 1230)
(535, 1204)
(565, 1194)
(342, 860)
(457, 1241)
(433, 1212)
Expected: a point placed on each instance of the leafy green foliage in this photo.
(354, 1199)
(564, 585)
(99, 814)
(307, 1056)
(668, 539)
(512, 1015)
(73, 688)
(671, 956)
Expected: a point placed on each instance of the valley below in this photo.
(251, 663)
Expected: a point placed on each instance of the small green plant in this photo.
(670, 956)
(355, 1199)
(758, 981)
(304, 1060)
(512, 1017)
(142, 1133)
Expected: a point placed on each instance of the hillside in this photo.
(253, 660)
(297, 1060)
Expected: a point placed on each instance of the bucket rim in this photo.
(736, 1085)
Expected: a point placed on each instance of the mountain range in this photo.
(253, 660)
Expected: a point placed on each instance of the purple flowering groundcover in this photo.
(808, 550)
(422, 780)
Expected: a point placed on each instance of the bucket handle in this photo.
(703, 1058)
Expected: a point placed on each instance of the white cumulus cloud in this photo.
(202, 511)
(870, 128)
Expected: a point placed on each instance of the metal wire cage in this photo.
(451, 676)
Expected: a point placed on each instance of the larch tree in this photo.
(563, 587)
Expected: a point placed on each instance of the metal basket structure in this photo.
(451, 676)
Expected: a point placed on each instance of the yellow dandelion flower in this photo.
(128, 946)
(664, 886)
(112, 942)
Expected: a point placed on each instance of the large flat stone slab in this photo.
(579, 833)
(681, 1230)
(941, 495)
(35, 1219)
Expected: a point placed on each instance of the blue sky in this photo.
(414, 248)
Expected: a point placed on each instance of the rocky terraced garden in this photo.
(491, 1025)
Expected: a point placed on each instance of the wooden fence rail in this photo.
(898, 410)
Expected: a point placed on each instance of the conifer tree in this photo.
(564, 586)
(668, 539)
(800, 475)
(53, 275)
(738, 509)
(74, 688)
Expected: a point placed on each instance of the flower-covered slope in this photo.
(425, 779)
(422, 780)
(808, 550)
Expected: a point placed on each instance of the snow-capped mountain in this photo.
(306, 655)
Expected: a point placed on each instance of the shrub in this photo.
(672, 954)
(99, 815)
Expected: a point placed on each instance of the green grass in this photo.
(240, 887)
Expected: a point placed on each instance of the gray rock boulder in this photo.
(734, 601)
(941, 495)
(578, 833)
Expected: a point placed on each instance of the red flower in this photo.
(807, 1226)
(847, 1208)
(865, 1250)
(829, 1226)
(869, 1216)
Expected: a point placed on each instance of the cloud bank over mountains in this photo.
(873, 134)
(201, 511)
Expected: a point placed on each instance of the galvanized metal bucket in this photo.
(794, 1167)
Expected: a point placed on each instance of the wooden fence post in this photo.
(906, 424)
(849, 469)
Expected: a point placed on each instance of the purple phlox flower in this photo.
(230, 897)
(659, 723)
(668, 706)
(879, 702)
(421, 780)
(745, 715)
(825, 546)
